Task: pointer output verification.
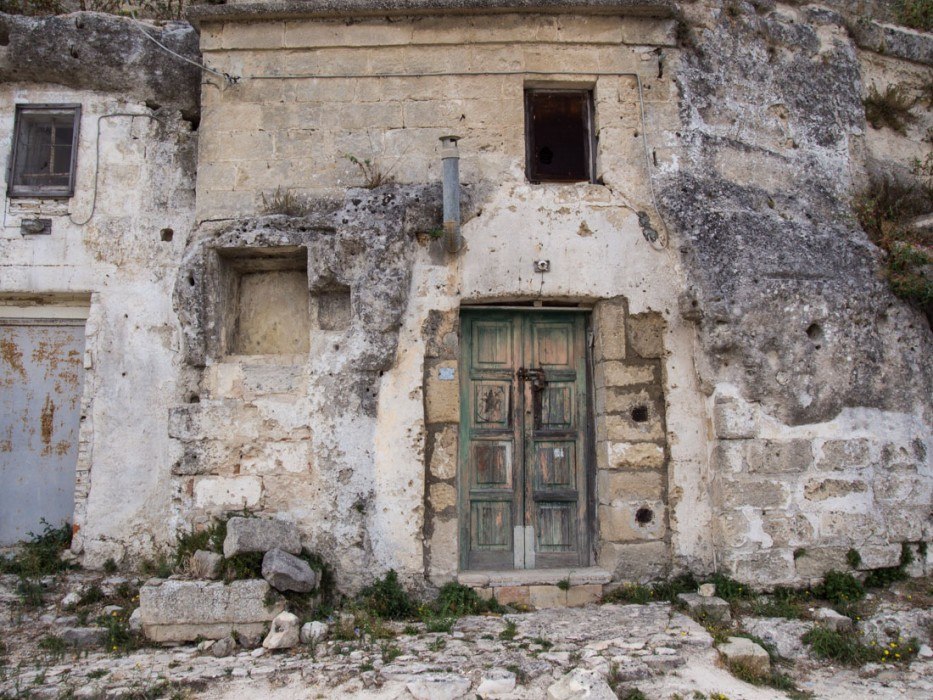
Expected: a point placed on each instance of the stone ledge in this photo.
(534, 577)
(252, 11)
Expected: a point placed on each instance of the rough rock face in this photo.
(794, 309)
(94, 51)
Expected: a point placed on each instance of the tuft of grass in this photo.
(91, 596)
(241, 566)
(841, 589)
(390, 652)
(658, 591)
(31, 593)
(853, 558)
(54, 645)
(40, 555)
(284, 202)
(110, 566)
(508, 634)
(160, 567)
(884, 211)
(783, 602)
(439, 624)
(916, 14)
(457, 600)
(731, 590)
(386, 599)
(373, 176)
(773, 678)
(890, 108)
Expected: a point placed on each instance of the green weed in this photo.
(508, 634)
(41, 554)
(840, 588)
(916, 14)
(890, 108)
(457, 600)
(853, 558)
(387, 599)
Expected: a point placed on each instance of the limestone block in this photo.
(729, 456)
(585, 594)
(818, 560)
(734, 528)
(179, 611)
(621, 428)
(260, 535)
(842, 525)
(757, 493)
(612, 485)
(208, 565)
(442, 497)
(625, 374)
(84, 637)
(228, 418)
(317, 33)
(259, 380)
(649, 32)
(773, 456)
(286, 572)
(631, 455)
(228, 492)
(739, 650)
(510, 595)
(840, 455)
(285, 632)
(496, 682)
(443, 443)
(783, 634)
(774, 566)
(579, 684)
(609, 339)
(829, 618)
(547, 597)
(442, 393)
(278, 457)
(823, 489)
(787, 530)
(646, 335)
(254, 35)
(734, 418)
(313, 632)
(439, 686)
(632, 522)
(912, 489)
(636, 562)
(444, 549)
(878, 556)
(706, 607)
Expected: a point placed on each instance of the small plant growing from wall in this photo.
(284, 202)
(890, 108)
(373, 176)
(885, 211)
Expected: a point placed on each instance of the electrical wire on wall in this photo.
(97, 159)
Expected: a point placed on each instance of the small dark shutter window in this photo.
(44, 151)
(558, 131)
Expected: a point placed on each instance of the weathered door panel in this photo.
(523, 440)
(41, 378)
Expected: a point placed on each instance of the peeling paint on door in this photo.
(41, 372)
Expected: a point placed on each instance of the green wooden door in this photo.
(523, 440)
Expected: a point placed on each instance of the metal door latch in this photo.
(535, 374)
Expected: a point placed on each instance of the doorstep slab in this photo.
(534, 577)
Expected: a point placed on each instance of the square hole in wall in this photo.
(264, 304)
(334, 309)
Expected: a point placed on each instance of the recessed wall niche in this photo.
(262, 301)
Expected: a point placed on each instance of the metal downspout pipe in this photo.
(450, 161)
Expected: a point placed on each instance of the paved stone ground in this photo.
(654, 648)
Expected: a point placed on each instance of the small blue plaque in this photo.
(446, 374)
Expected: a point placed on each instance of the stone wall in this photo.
(117, 243)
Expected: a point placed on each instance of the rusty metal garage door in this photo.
(41, 376)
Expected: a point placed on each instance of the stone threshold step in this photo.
(534, 577)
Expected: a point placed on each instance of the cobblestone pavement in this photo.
(654, 648)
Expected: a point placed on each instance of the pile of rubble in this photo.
(224, 614)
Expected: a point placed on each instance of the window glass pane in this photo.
(559, 135)
(44, 151)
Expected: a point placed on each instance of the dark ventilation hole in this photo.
(4, 35)
(643, 516)
(815, 333)
(154, 106)
(190, 281)
(166, 235)
(194, 398)
(640, 414)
